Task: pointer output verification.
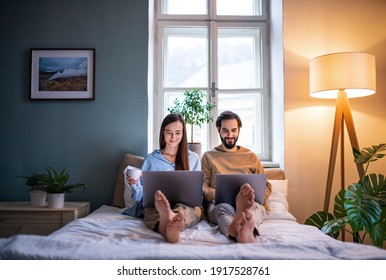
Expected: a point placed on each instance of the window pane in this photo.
(238, 8)
(226, 52)
(184, 7)
(249, 107)
(199, 134)
(239, 58)
(186, 57)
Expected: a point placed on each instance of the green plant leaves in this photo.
(56, 182)
(365, 204)
(319, 219)
(193, 108)
(35, 181)
(368, 155)
(366, 207)
(362, 210)
(339, 210)
(335, 226)
(362, 205)
(52, 181)
(378, 235)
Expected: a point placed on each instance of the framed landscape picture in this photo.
(62, 74)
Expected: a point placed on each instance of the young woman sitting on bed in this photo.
(173, 154)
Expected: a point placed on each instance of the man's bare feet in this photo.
(243, 224)
(244, 198)
(170, 224)
(245, 234)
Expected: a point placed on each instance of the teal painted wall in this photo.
(86, 137)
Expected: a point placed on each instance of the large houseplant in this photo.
(362, 206)
(194, 109)
(56, 186)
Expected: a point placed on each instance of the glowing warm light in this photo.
(353, 73)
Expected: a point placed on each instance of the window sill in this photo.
(270, 164)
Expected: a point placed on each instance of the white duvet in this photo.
(107, 234)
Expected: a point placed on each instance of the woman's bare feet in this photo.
(174, 227)
(243, 224)
(170, 224)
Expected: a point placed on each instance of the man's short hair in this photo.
(228, 115)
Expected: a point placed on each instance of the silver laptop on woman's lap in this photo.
(179, 186)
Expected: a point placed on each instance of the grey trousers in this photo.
(223, 214)
(192, 215)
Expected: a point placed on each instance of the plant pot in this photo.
(38, 198)
(195, 147)
(55, 200)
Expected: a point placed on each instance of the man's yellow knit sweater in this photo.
(220, 161)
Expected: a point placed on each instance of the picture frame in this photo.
(62, 74)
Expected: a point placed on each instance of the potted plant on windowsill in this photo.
(56, 186)
(37, 189)
(195, 111)
(362, 206)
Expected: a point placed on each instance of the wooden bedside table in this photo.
(21, 217)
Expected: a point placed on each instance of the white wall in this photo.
(312, 28)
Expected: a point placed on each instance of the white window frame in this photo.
(156, 111)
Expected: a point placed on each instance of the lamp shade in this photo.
(351, 72)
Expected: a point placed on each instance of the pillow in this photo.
(127, 159)
(274, 173)
(277, 202)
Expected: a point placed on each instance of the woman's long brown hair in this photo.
(182, 157)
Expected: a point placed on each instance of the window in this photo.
(222, 48)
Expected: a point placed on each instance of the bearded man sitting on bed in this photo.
(239, 224)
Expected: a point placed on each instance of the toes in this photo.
(246, 189)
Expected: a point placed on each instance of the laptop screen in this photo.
(228, 186)
(179, 186)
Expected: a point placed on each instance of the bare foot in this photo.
(244, 199)
(242, 227)
(174, 228)
(170, 223)
(235, 226)
(245, 234)
(243, 224)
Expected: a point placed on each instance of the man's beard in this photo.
(229, 145)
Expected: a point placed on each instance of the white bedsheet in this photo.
(107, 234)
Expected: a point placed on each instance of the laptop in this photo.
(228, 186)
(179, 186)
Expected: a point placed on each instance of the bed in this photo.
(108, 234)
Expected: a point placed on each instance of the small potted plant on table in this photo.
(56, 186)
(37, 189)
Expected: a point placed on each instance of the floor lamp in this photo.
(342, 76)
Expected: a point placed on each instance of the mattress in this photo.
(107, 234)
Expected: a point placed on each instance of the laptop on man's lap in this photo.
(228, 186)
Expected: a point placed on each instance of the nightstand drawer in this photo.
(35, 217)
(39, 229)
(21, 217)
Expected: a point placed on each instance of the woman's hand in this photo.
(131, 180)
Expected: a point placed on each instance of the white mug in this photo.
(133, 173)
